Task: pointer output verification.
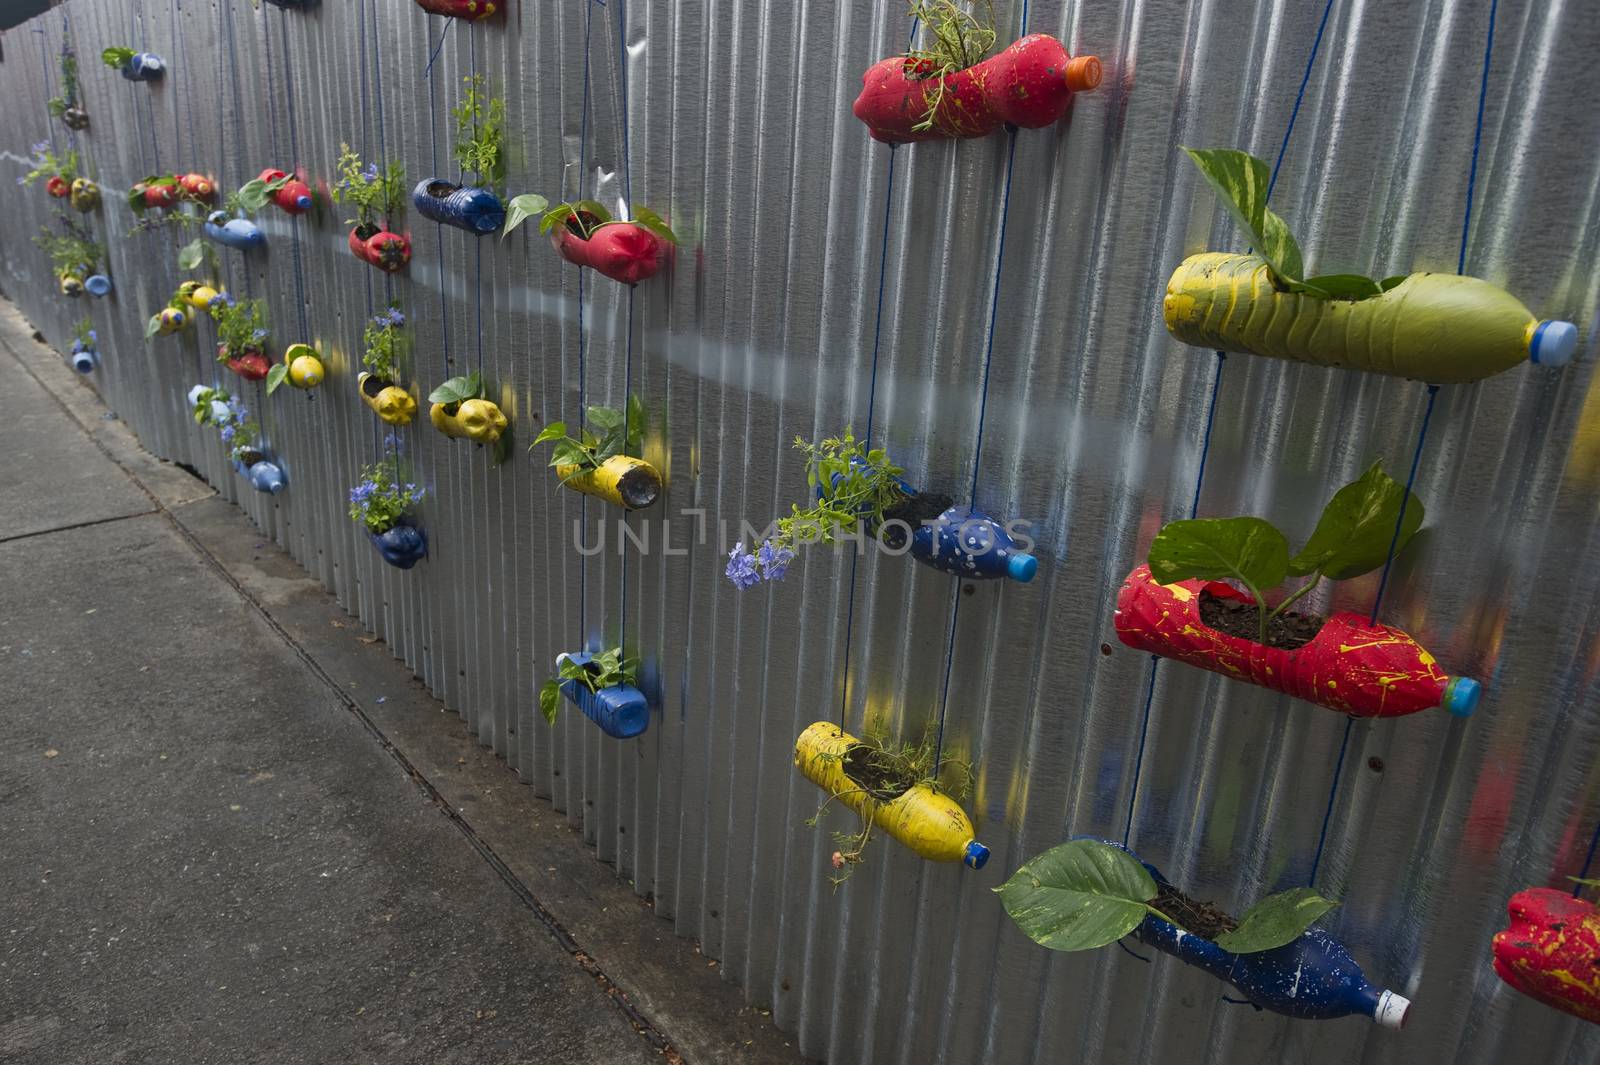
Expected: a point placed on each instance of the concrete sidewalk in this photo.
(210, 852)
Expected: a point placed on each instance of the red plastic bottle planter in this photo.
(471, 10)
(294, 197)
(197, 187)
(1030, 84)
(386, 250)
(250, 364)
(1551, 951)
(58, 187)
(622, 251)
(155, 195)
(1350, 665)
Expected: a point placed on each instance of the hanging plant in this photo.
(210, 406)
(470, 10)
(479, 150)
(73, 257)
(898, 788)
(1441, 328)
(59, 172)
(135, 66)
(602, 686)
(1550, 950)
(382, 506)
(378, 197)
(83, 357)
(233, 232)
(241, 335)
(284, 189)
(858, 488)
(1089, 893)
(462, 410)
(380, 385)
(176, 315)
(602, 463)
(952, 88)
(65, 107)
(1178, 606)
(84, 195)
(584, 233)
(301, 367)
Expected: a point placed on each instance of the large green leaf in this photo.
(1357, 526)
(1212, 549)
(521, 208)
(655, 224)
(457, 389)
(553, 431)
(276, 375)
(1242, 180)
(1276, 920)
(550, 700)
(191, 254)
(1344, 286)
(1078, 896)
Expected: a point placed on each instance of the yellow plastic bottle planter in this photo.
(173, 319)
(388, 400)
(71, 285)
(470, 419)
(621, 479)
(1438, 328)
(930, 823)
(305, 368)
(200, 295)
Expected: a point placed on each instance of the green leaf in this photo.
(655, 224)
(555, 216)
(1276, 920)
(1390, 282)
(605, 418)
(550, 700)
(1584, 882)
(520, 209)
(1211, 549)
(596, 208)
(191, 254)
(1357, 526)
(1241, 180)
(568, 453)
(253, 195)
(276, 376)
(1344, 286)
(152, 326)
(553, 431)
(1078, 896)
(116, 57)
(457, 389)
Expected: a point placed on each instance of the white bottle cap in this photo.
(1391, 1011)
(1554, 343)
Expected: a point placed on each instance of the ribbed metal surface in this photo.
(989, 312)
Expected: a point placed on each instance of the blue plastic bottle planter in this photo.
(621, 712)
(98, 285)
(477, 210)
(1313, 978)
(263, 475)
(84, 360)
(144, 66)
(402, 546)
(238, 233)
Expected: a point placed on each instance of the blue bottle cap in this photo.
(1553, 344)
(303, 202)
(1461, 696)
(97, 284)
(1021, 567)
(977, 855)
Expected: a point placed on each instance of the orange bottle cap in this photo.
(1083, 73)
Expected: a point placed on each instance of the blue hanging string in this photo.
(427, 70)
(627, 365)
(1588, 860)
(294, 161)
(1477, 138)
(583, 499)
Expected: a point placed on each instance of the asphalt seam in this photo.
(641, 1024)
(80, 524)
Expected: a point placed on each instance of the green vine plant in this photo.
(582, 217)
(73, 252)
(1353, 536)
(1242, 180)
(480, 132)
(617, 433)
(379, 500)
(83, 333)
(47, 164)
(381, 340)
(58, 105)
(116, 58)
(954, 39)
(372, 191)
(1086, 894)
(241, 324)
(605, 669)
(882, 770)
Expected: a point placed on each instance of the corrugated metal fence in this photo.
(989, 312)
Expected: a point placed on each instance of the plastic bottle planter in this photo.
(219, 409)
(621, 711)
(85, 195)
(292, 5)
(378, 246)
(621, 480)
(71, 286)
(929, 823)
(1551, 951)
(305, 366)
(238, 233)
(402, 545)
(1439, 328)
(58, 187)
(623, 251)
(250, 363)
(263, 474)
(83, 359)
(294, 197)
(144, 66)
(471, 10)
(472, 419)
(173, 319)
(1351, 665)
(147, 195)
(388, 400)
(197, 187)
(1312, 978)
(476, 210)
(76, 118)
(1030, 84)
(97, 285)
(197, 294)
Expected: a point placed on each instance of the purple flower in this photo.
(22, 181)
(742, 567)
(774, 561)
(227, 434)
(395, 317)
(362, 492)
(41, 147)
(370, 174)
